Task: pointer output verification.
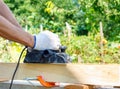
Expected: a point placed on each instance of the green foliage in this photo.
(87, 49)
(10, 51)
(4, 55)
(84, 48)
(83, 16)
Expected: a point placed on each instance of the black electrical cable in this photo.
(11, 83)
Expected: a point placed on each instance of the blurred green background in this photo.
(84, 17)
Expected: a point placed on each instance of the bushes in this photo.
(4, 55)
(83, 15)
(87, 50)
(9, 51)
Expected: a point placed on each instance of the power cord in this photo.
(11, 83)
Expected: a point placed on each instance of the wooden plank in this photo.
(78, 87)
(93, 74)
(3, 79)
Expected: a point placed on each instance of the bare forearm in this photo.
(11, 32)
(6, 13)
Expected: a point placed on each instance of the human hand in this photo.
(46, 40)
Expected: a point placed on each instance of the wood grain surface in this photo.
(92, 74)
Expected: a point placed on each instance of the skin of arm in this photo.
(10, 28)
(11, 32)
(6, 13)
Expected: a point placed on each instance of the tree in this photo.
(83, 15)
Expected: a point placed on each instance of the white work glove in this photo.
(46, 40)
